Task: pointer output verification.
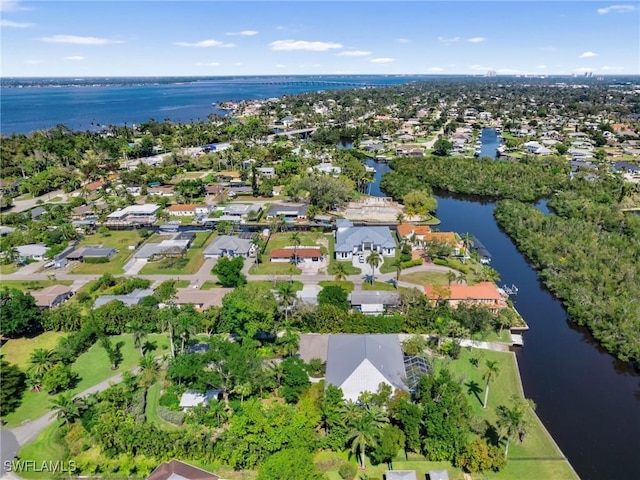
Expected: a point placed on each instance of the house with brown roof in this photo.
(200, 299)
(410, 150)
(52, 296)
(177, 470)
(483, 293)
(300, 254)
(161, 190)
(94, 186)
(409, 230)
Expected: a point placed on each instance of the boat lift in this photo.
(512, 290)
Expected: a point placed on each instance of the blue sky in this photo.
(155, 38)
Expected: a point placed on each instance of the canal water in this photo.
(490, 143)
(589, 401)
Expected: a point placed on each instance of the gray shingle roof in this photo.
(346, 353)
(239, 246)
(133, 298)
(347, 240)
(374, 298)
(400, 475)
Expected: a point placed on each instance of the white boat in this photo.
(369, 169)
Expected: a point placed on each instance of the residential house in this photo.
(326, 167)
(290, 212)
(161, 190)
(133, 298)
(351, 241)
(448, 238)
(189, 209)
(482, 293)
(91, 251)
(6, 230)
(536, 148)
(200, 299)
(438, 475)
(215, 189)
(52, 296)
(82, 212)
(177, 470)
(240, 189)
(374, 302)
(360, 363)
(8, 187)
(230, 246)
(410, 150)
(37, 212)
(227, 176)
(296, 255)
(238, 212)
(266, 172)
(34, 251)
(165, 248)
(192, 398)
(134, 214)
(411, 232)
(94, 186)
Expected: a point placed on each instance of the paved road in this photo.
(22, 205)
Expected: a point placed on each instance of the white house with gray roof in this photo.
(133, 298)
(360, 363)
(373, 302)
(230, 246)
(34, 251)
(351, 241)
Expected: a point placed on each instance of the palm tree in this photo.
(451, 276)
(490, 373)
(149, 369)
(461, 278)
(68, 408)
(363, 429)
(296, 241)
(340, 271)
(42, 360)
(168, 324)
(401, 218)
(488, 274)
(512, 423)
(288, 343)
(397, 264)
(467, 239)
(287, 296)
(139, 334)
(185, 327)
(374, 260)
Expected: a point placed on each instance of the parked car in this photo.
(361, 258)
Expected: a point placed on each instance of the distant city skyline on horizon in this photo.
(248, 38)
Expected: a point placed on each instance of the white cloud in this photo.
(354, 53)
(79, 40)
(246, 33)
(205, 44)
(238, 64)
(435, 69)
(207, 64)
(403, 40)
(588, 55)
(616, 9)
(382, 60)
(11, 6)
(541, 67)
(289, 45)
(12, 24)
(448, 41)
(476, 39)
(76, 58)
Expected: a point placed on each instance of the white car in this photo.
(361, 258)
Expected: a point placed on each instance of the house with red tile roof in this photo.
(482, 293)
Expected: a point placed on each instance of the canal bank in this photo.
(587, 400)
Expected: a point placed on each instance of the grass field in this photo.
(18, 350)
(378, 286)
(44, 448)
(194, 259)
(8, 269)
(297, 285)
(118, 239)
(31, 285)
(93, 368)
(425, 278)
(347, 286)
(281, 240)
(151, 409)
(208, 285)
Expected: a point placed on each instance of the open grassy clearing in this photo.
(425, 278)
(347, 286)
(32, 285)
(121, 240)
(45, 447)
(93, 367)
(297, 285)
(18, 350)
(8, 269)
(188, 264)
(378, 286)
(151, 408)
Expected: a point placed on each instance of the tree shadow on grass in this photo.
(475, 389)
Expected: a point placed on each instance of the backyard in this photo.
(121, 240)
(187, 264)
(282, 240)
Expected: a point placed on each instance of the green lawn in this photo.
(297, 285)
(347, 286)
(45, 448)
(378, 286)
(93, 367)
(192, 260)
(274, 268)
(118, 239)
(31, 285)
(18, 350)
(208, 285)
(281, 240)
(8, 269)
(182, 283)
(151, 410)
(348, 265)
(425, 278)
